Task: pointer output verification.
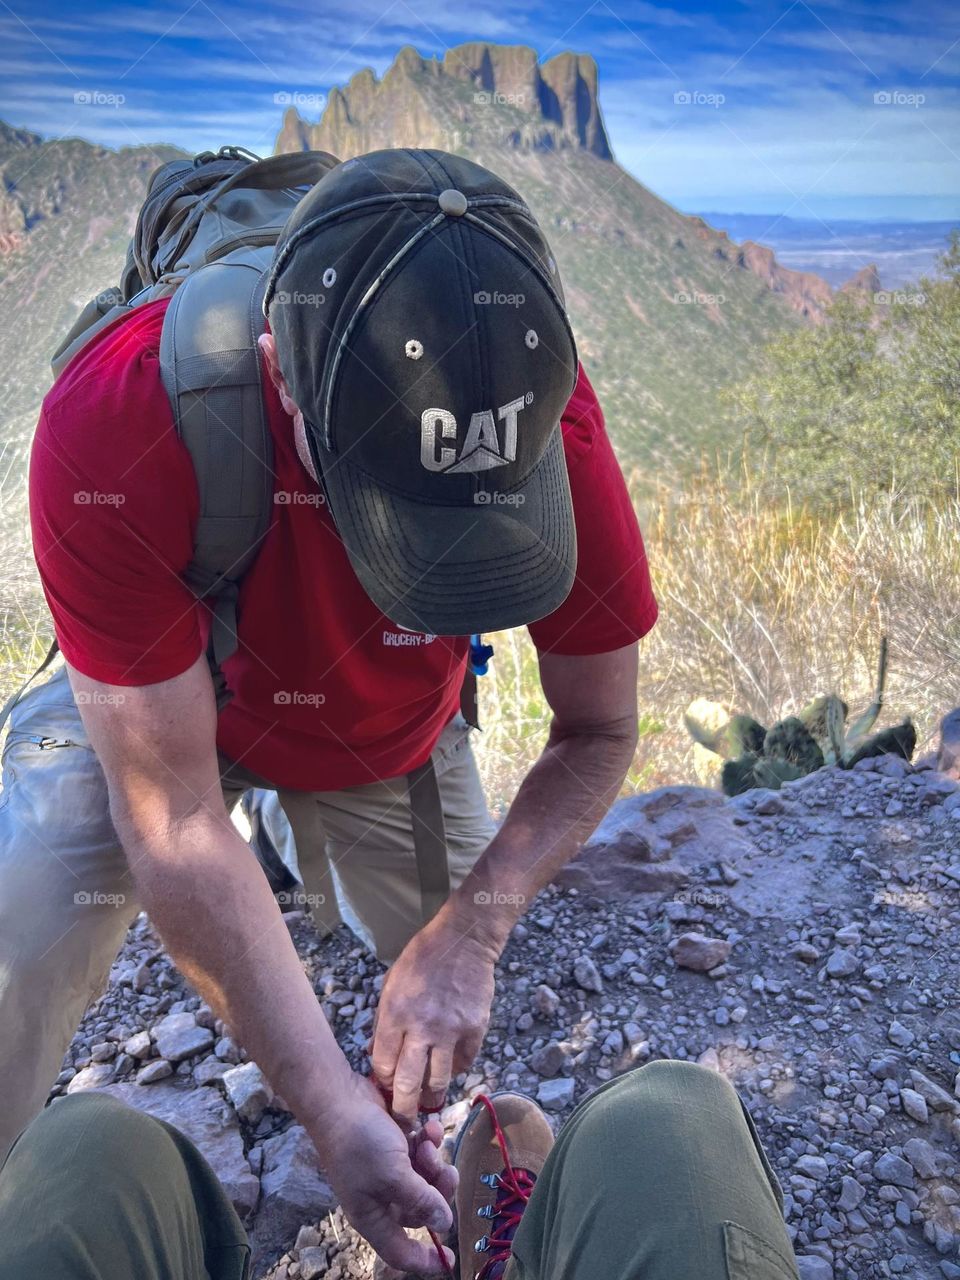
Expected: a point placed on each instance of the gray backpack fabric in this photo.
(205, 235)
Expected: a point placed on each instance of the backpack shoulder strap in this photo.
(210, 366)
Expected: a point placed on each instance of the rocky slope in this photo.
(802, 942)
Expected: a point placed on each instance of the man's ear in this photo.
(267, 344)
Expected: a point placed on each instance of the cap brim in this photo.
(455, 570)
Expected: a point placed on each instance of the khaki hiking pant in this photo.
(659, 1175)
(67, 897)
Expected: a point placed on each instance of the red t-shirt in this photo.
(328, 692)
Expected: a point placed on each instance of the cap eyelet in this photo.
(414, 349)
(329, 277)
(531, 339)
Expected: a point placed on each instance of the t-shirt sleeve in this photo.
(611, 603)
(112, 507)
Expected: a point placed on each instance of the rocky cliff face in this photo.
(478, 92)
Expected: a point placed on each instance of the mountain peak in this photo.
(479, 93)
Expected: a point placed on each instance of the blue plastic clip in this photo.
(480, 655)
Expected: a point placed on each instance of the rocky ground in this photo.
(802, 942)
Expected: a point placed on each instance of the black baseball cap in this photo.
(421, 329)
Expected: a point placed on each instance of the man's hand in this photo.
(386, 1180)
(433, 1014)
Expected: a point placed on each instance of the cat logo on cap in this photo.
(485, 445)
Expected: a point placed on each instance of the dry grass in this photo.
(762, 609)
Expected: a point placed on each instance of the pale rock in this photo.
(914, 1105)
(248, 1091)
(92, 1077)
(554, 1095)
(178, 1036)
(153, 1071)
(699, 952)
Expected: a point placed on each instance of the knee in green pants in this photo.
(659, 1175)
(93, 1188)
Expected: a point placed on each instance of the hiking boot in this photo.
(500, 1153)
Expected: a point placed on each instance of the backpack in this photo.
(205, 236)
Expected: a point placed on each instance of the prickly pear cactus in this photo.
(800, 744)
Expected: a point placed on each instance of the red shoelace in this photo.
(387, 1095)
(514, 1187)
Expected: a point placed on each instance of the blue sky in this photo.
(832, 108)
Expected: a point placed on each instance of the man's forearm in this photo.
(213, 908)
(561, 801)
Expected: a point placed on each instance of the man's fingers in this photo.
(408, 1081)
(434, 1169)
(441, 1069)
(395, 1247)
(387, 1043)
(466, 1052)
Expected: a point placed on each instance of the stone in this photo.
(211, 1126)
(813, 1167)
(248, 1091)
(547, 1060)
(900, 1035)
(210, 1071)
(554, 1095)
(914, 1105)
(851, 1194)
(922, 1156)
(92, 1077)
(153, 1071)
(936, 1097)
(699, 952)
(894, 1170)
(294, 1191)
(545, 1002)
(178, 1036)
(842, 963)
(139, 1045)
(586, 975)
(812, 1267)
(313, 1262)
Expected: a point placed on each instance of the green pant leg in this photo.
(94, 1190)
(659, 1175)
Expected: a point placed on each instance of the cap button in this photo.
(453, 202)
